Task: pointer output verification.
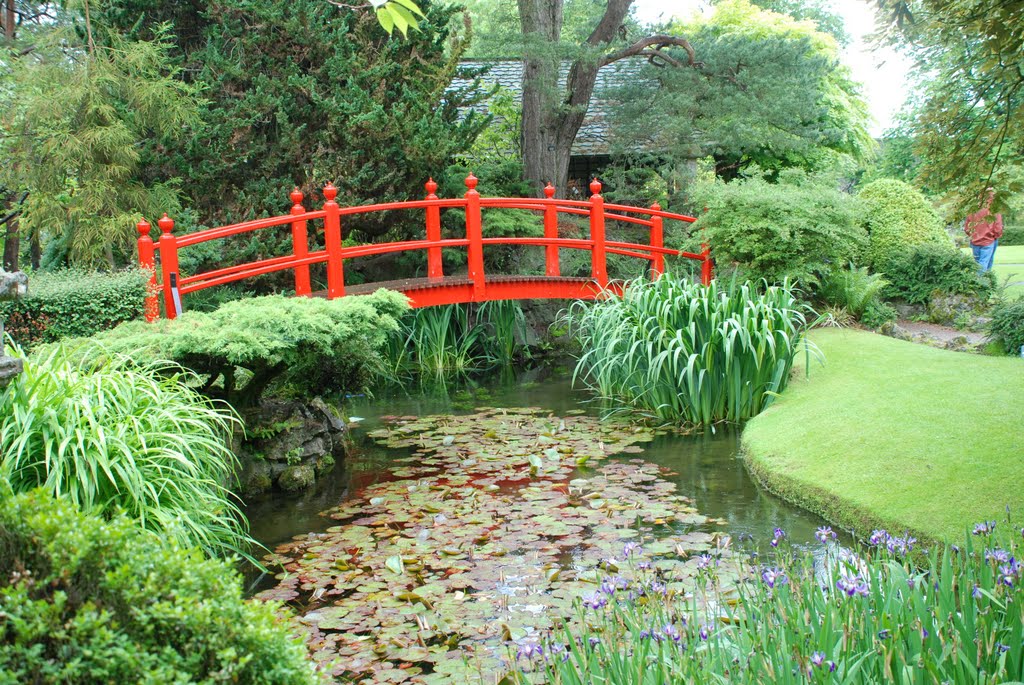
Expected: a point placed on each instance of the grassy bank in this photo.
(891, 434)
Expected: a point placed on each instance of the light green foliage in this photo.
(687, 352)
(1007, 325)
(397, 14)
(72, 302)
(309, 345)
(892, 434)
(897, 216)
(878, 313)
(821, 616)
(916, 273)
(789, 229)
(73, 134)
(88, 600)
(112, 436)
(853, 289)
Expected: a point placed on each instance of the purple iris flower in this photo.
(984, 528)
(704, 561)
(530, 650)
(831, 667)
(1002, 648)
(878, 537)
(1000, 556)
(672, 632)
(631, 548)
(818, 658)
(593, 641)
(559, 650)
(976, 592)
(595, 601)
(852, 586)
(883, 634)
(824, 534)
(903, 545)
(773, 577)
(703, 633)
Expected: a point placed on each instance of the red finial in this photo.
(656, 207)
(471, 181)
(330, 192)
(166, 223)
(143, 227)
(549, 190)
(595, 186)
(431, 186)
(296, 196)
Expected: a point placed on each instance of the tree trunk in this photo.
(12, 245)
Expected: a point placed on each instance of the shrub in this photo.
(878, 313)
(1012, 235)
(70, 303)
(801, 617)
(112, 437)
(916, 273)
(852, 289)
(898, 216)
(310, 345)
(789, 229)
(689, 352)
(1007, 325)
(88, 600)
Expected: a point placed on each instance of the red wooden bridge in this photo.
(436, 288)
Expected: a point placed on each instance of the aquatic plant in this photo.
(688, 352)
(112, 436)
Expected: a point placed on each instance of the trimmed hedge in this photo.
(1012, 235)
(1007, 325)
(92, 601)
(915, 273)
(898, 216)
(74, 303)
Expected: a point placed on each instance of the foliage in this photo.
(821, 616)
(898, 216)
(73, 302)
(1012, 235)
(916, 273)
(90, 600)
(116, 437)
(309, 345)
(789, 229)
(1007, 325)
(73, 134)
(687, 352)
(878, 313)
(853, 289)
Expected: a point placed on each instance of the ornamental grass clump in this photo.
(113, 436)
(871, 615)
(687, 352)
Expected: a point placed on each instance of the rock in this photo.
(9, 368)
(13, 284)
(295, 478)
(254, 478)
(949, 310)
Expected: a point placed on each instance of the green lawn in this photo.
(1013, 254)
(896, 435)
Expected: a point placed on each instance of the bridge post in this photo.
(474, 234)
(148, 262)
(657, 240)
(551, 231)
(169, 267)
(707, 271)
(332, 242)
(300, 245)
(598, 269)
(435, 267)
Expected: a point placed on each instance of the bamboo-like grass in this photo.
(114, 436)
(689, 353)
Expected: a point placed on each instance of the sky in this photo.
(882, 72)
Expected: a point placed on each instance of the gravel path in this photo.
(943, 334)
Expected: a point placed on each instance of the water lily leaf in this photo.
(395, 564)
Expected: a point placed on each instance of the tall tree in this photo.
(553, 112)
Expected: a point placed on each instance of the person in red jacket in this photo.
(984, 229)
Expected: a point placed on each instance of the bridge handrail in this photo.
(171, 286)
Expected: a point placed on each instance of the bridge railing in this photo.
(172, 285)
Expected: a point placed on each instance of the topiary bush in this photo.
(898, 216)
(71, 302)
(789, 229)
(1007, 325)
(916, 273)
(309, 345)
(88, 600)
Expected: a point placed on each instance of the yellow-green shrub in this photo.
(898, 216)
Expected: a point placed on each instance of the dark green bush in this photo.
(70, 303)
(1012, 235)
(898, 216)
(915, 273)
(878, 313)
(777, 230)
(1007, 325)
(311, 345)
(853, 289)
(86, 600)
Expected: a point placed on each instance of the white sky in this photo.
(882, 72)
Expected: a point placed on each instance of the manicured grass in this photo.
(1010, 254)
(896, 435)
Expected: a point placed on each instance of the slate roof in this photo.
(592, 138)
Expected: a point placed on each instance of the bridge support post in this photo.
(551, 231)
(435, 266)
(707, 269)
(474, 234)
(598, 269)
(332, 243)
(148, 262)
(300, 245)
(657, 240)
(169, 267)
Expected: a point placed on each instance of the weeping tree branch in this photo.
(653, 48)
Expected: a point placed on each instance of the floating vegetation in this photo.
(482, 540)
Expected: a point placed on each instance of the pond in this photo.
(464, 520)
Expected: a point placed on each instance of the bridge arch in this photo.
(160, 256)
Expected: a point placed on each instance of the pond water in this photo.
(463, 520)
